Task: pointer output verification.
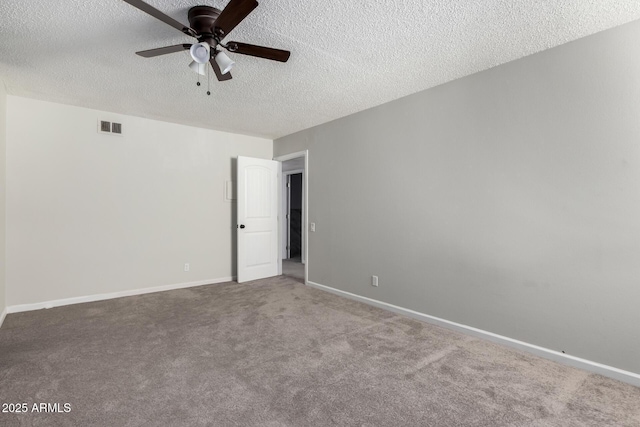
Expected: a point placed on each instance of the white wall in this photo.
(3, 146)
(508, 200)
(89, 213)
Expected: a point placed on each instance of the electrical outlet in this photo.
(186, 267)
(374, 281)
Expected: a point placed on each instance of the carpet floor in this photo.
(277, 353)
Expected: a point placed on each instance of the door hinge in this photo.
(288, 185)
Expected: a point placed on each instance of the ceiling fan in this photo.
(209, 26)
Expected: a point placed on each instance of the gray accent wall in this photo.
(508, 200)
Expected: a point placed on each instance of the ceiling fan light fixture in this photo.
(198, 68)
(200, 52)
(224, 62)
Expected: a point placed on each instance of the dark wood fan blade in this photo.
(232, 15)
(161, 16)
(163, 50)
(259, 51)
(221, 77)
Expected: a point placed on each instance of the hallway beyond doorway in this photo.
(294, 268)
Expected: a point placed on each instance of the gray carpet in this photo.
(277, 353)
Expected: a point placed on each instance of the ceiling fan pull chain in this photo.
(208, 80)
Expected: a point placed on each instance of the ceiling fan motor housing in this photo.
(202, 20)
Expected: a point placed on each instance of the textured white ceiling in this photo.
(346, 56)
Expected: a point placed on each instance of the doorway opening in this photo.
(293, 216)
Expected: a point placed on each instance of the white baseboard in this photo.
(99, 297)
(577, 362)
(2, 316)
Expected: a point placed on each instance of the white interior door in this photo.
(257, 224)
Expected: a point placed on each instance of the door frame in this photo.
(305, 210)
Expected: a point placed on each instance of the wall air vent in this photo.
(116, 128)
(110, 128)
(104, 127)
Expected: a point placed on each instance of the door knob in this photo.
(241, 225)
